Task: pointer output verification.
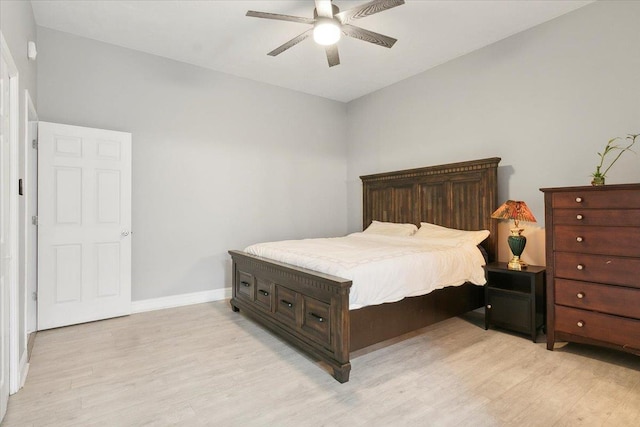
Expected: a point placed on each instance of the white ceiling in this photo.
(216, 34)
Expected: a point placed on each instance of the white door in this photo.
(84, 221)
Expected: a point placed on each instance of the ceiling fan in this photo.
(329, 23)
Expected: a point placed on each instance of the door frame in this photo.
(14, 320)
(30, 182)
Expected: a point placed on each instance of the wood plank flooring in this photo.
(204, 365)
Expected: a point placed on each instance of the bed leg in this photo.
(342, 374)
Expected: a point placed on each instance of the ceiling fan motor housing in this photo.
(335, 9)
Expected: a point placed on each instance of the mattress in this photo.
(382, 268)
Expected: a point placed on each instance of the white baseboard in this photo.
(23, 374)
(180, 300)
(24, 369)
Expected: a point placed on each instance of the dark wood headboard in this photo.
(457, 195)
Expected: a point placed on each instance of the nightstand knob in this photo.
(579, 239)
(578, 199)
(579, 217)
(580, 267)
(580, 295)
(580, 323)
(489, 306)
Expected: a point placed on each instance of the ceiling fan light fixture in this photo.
(326, 32)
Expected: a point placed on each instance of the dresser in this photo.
(593, 265)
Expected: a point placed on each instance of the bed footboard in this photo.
(307, 308)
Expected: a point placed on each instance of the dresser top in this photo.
(594, 188)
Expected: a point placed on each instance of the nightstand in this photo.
(515, 299)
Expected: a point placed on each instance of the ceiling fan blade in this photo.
(368, 36)
(367, 9)
(294, 41)
(280, 17)
(332, 55)
(324, 8)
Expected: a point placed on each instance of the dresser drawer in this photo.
(598, 268)
(264, 294)
(603, 327)
(605, 217)
(286, 304)
(316, 322)
(598, 297)
(593, 199)
(622, 241)
(244, 285)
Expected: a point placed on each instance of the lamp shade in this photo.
(516, 210)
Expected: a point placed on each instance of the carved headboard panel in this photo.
(457, 195)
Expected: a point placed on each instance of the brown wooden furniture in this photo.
(311, 309)
(514, 299)
(593, 265)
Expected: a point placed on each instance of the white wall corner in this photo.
(180, 300)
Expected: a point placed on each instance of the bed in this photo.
(311, 309)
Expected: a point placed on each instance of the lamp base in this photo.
(516, 263)
(517, 242)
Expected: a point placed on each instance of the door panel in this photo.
(84, 221)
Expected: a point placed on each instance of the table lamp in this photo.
(517, 211)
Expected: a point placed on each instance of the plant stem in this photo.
(633, 141)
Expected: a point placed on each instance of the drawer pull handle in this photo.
(263, 292)
(489, 306)
(580, 323)
(580, 295)
(580, 267)
(579, 217)
(287, 303)
(578, 199)
(245, 284)
(579, 239)
(318, 318)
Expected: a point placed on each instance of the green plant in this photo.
(613, 147)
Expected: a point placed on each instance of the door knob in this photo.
(125, 233)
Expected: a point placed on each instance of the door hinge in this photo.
(34, 296)
(34, 220)
(34, 144)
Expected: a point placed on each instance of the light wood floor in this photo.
(205, 365)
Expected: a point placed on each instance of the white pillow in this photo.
(391, 229)
(432, 231)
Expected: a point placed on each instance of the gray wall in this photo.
(219, 162)
(545, 100)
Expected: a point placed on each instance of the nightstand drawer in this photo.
(603, 327)
(621, 241)
(598, 297)
(605, 217)
(598, 268)
(590, 199)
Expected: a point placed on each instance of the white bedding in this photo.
(382, 268)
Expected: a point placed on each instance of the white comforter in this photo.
(382, 268)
